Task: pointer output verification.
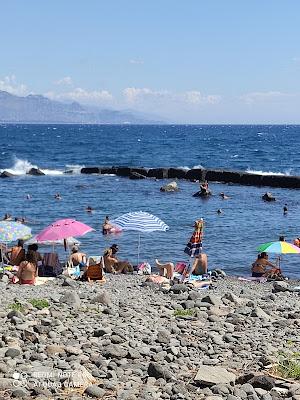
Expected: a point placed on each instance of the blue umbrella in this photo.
(141, 222)
(11, 231)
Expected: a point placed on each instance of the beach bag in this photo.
(144, 269)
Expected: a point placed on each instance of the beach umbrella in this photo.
(11, 231)
(63, 229)
(70, 241)
(279, 248)
(141, 222)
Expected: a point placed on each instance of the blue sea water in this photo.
(230, 238)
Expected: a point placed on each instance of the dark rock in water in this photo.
(123, 171)
(90, 170)
(108, 171)
(196, 174)
(268, 197)
(35, 172)
(177, 173)
(158, 173)
(136, 175)
(6, 174)
(223, 176)
(159, 371)
(170, 187)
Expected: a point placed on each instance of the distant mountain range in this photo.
(40, 109)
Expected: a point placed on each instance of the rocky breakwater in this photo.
(132, 340)
(212, 175)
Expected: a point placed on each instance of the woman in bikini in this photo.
(28, 269)
(260, 265)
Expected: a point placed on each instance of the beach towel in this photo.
(253, 279)
(194, 246)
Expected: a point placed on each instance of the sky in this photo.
(192, 61)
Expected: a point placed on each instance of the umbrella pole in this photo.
(139, 244)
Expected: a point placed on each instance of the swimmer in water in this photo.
(224, 197)
(89, 209)
(28, 196)
(219, 211)
(57, 196)
(285, 209)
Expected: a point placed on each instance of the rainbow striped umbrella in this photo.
(279, 248)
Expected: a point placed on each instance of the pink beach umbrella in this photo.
(63, 229)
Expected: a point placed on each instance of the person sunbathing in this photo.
(113, 265)
(28, 270)
(259, 267)
(17, 253)
(165, 269)
(200, 265)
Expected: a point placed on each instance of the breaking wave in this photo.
(251, 171)
(22, 167)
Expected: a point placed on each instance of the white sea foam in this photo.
(198, 166)
(21, 167)
(258, 172)
(75, 168)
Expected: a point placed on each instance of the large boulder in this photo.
(170, 187)
(177, 173)
(35, 172)
(71, 299)
(214, 375)
(268, 197)
(90, 170)
(158, 173)
(6, 174)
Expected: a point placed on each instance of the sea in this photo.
(230, 238)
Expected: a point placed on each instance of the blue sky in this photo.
(213, 61)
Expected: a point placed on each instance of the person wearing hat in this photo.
(78, 258)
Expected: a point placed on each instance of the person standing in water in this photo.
(106, 226)
(285, 209)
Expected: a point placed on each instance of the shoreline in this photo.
(128, 339)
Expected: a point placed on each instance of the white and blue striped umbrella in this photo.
(140, 221)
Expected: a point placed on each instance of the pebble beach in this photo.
(129, 339)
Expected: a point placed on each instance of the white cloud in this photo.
(193, 97)
(136, 61)
(10, 84)
(258, 97)
(66, 80)
(83, 96)
(133, 95)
